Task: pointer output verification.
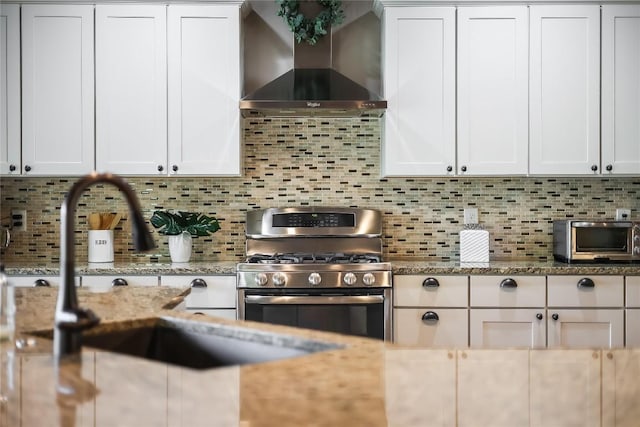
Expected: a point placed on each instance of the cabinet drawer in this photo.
(585, 291)
(106, 282)
(443, 327)
(430, 291)
(507, 291)
(227, 313)
(632, 284)
(30, 281)
(219, 292)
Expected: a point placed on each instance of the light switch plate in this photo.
(470, 215)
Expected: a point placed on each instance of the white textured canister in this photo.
(100, 246)
(474, 245)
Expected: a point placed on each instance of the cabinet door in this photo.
(632, 323)
(493, 101)
(621, 89)
(57, 89)
(431, 327)
(204, 89)
(10, 89)
(564, 89)
(565, 388)
(585, 328)
(131, 89)
(493, 388)
(620, 391)
(419, 85)
(504, 328)
(420, 387)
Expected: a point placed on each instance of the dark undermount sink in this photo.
(197, 345)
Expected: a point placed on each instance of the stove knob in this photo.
(350, 279)
(314, 279)
(369, 279)
(261, 279)
(279, 279)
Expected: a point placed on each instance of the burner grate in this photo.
(314, 258)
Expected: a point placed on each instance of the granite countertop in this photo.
(399, 266)
(366, 383)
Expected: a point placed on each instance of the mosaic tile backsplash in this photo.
(320, 162)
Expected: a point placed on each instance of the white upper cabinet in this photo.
(564, 89)
(493, 130)
(204, 89)
(9, 89)
(131, 89)
(621, 89)
(57, 89)
(419, 86)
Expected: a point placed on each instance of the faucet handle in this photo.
(79, 319)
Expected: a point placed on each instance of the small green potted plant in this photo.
(181, 227)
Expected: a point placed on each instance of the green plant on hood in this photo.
(174, 223)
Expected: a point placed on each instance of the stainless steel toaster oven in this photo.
(596, 241)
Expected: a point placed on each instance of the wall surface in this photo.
(315, 162)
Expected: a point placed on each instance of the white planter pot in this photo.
(180, 247)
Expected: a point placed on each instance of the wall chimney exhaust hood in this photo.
(312, 88)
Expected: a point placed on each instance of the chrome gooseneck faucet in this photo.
(70, 319)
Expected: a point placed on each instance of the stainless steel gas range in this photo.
(316, 268)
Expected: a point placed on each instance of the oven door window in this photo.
(602, 240)
(361, 315)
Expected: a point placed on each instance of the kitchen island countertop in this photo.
(368, 383)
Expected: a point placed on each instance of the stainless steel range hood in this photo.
(312, 88)
(321, 92)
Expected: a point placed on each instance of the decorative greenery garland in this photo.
(310, 30)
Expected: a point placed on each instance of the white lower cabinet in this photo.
(585, 312)
(431, 327)
(214, 295)
(620, 391)
(507, 311)
(431, 311)
(564, 391)
(507, 328)
(632, 311)
(585, 328)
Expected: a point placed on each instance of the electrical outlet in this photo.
(470, 216)
(623, 214)
(19, 219)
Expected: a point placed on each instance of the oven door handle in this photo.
(319, 300)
